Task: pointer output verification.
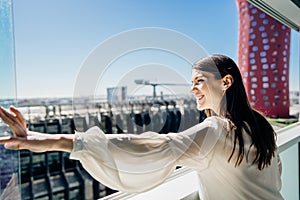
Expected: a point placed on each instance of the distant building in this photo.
(263, 58)
(294, 97)
(116, 94)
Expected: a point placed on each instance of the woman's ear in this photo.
(227, 81)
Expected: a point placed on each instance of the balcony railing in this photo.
(183, 184)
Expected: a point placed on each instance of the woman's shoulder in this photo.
(217, 121)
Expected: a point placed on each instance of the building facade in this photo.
(263, 59)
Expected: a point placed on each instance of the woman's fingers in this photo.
(13, 122)
(19, 115)
(6, 117)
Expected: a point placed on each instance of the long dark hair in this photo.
(235, 106)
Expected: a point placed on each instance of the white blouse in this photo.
(137, 163)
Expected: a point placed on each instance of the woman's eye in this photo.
(197, 81)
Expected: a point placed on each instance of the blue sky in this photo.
(54, 37)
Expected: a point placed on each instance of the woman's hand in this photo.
(15, 121)
(33, 141)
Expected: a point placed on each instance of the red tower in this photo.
(263, 59)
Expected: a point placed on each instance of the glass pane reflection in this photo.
(9, 160)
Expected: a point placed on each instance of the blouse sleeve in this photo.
(136, 163)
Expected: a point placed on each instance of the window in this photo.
(262, 15)
(250, 43)
(265, 85)
(263, 72)
(252, 61)
(252, 91)
(284, 53)
(266, 47)
(254, 67)
(255, 48)
(265, 98)
(252, 36)
(273, 27)
(254, 85)
(263, 91)
(261, 28)
(265, 66)
(265, 79)
(273, 40)
(273, 85)
(267, 104)
(254, 10)
(265, 40)
(263, 60)
(273, 66)
(254, 79)
(264, 34)
(251, 55)
(263, 54)
(265, 21)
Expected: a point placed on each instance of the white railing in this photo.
(288, 140)
(183, 184)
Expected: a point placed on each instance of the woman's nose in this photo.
(193, 89)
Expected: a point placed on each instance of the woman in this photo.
(233, 149)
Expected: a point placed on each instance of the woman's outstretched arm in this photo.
(33, 141)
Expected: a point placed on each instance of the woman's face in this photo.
(207, 89)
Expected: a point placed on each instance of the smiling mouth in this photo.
(200, 97)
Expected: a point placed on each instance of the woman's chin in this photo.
(200, 107)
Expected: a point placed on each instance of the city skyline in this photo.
(51, 48)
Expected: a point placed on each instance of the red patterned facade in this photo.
(263, 58)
